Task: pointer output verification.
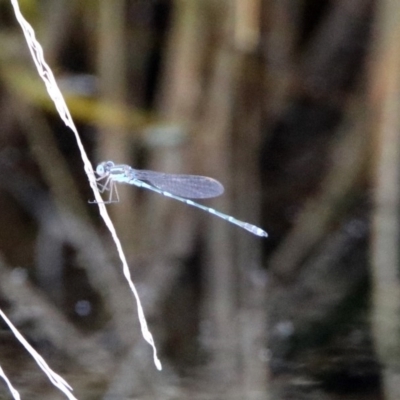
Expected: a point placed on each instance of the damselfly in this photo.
(178, 187)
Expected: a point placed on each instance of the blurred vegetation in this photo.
(293, 106)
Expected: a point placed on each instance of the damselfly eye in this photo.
(100, 169)
(108, 165)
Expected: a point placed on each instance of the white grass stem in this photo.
(56, 95)
(13, 391)
(55, 379)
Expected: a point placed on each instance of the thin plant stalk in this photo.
(58, 99)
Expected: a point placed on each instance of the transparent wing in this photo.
(189, 186)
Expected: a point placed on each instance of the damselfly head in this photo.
(104, 168)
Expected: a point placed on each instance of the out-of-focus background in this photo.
(292, 105)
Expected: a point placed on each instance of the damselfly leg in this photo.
(108, 186)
